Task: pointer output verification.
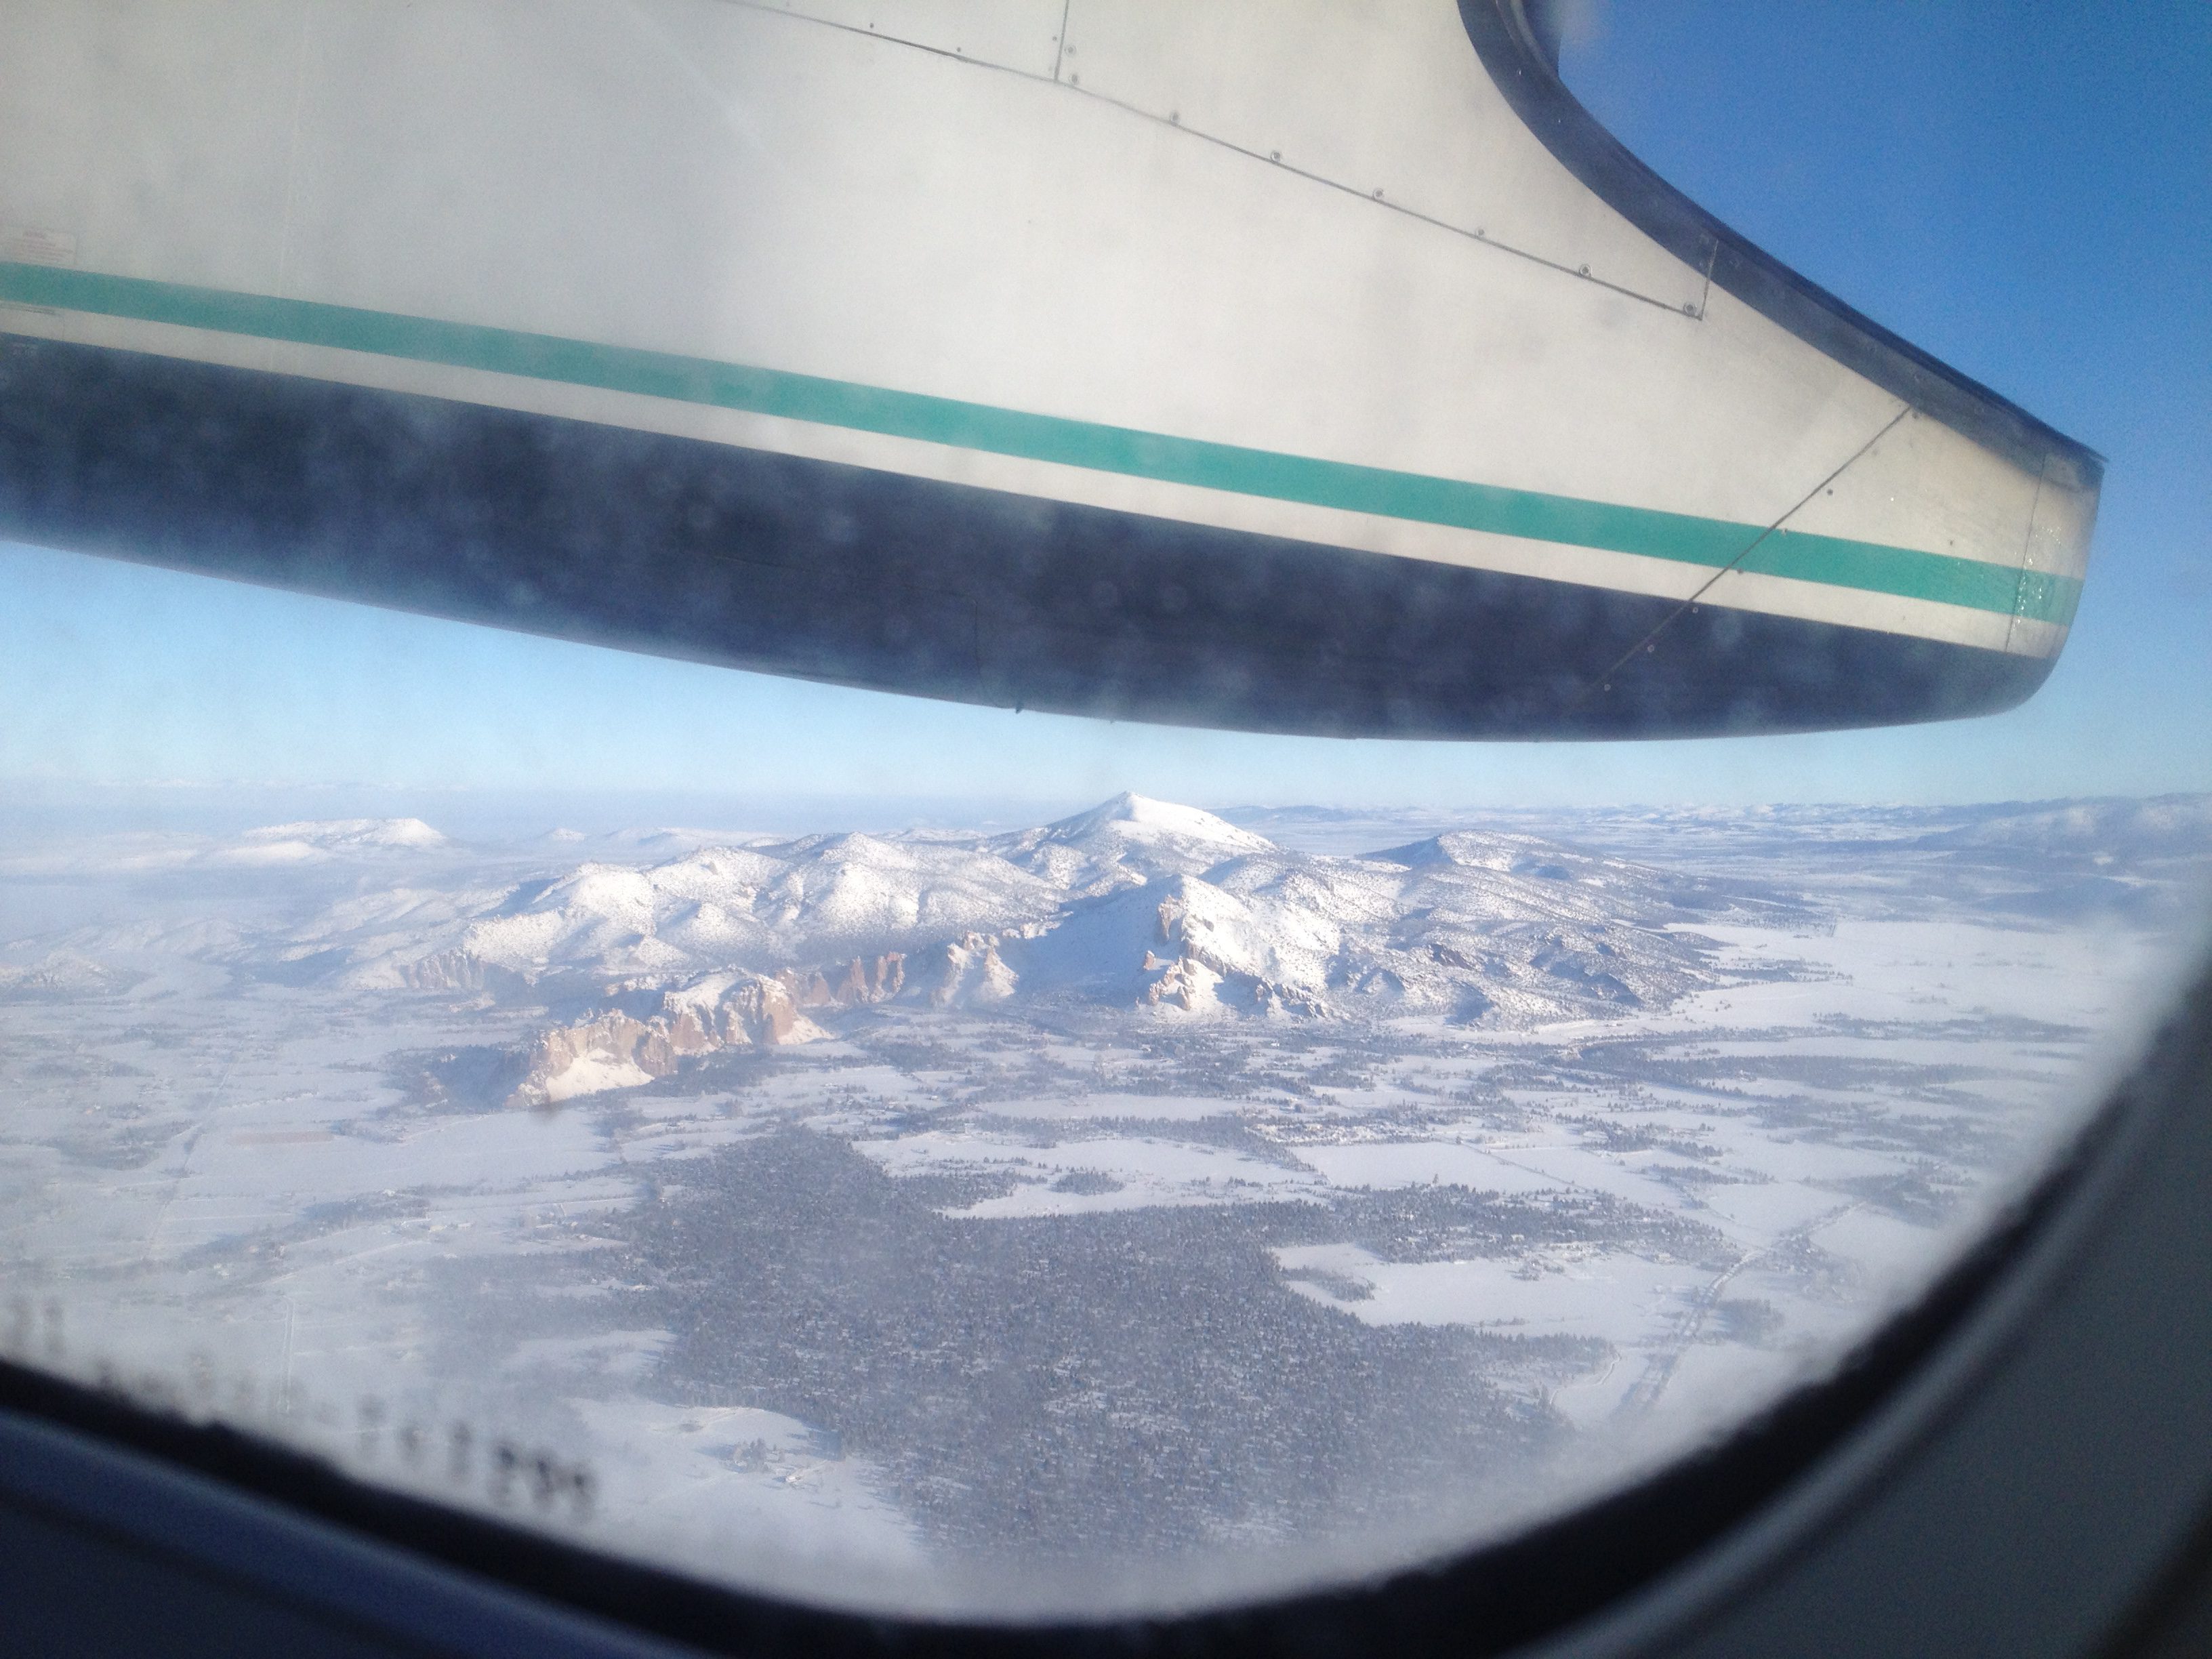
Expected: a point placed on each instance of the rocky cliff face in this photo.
(456, 970)
(618, 1050)
(965, 971)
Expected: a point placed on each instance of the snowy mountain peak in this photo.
(352, 832)
(1140, 817)
(1134, 902)
(311, 840)
(1126, 842)
(1468, 850)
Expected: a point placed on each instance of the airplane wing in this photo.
(1298, 365)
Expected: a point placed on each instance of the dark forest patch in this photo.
(1052, 1387)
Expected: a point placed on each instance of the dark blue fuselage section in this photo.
(791, 566)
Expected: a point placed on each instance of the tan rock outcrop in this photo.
(617, 1051)
(861, 981)
(443, 970)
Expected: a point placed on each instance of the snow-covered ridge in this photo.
(660, 947)
(1136, 904)
(301, 842)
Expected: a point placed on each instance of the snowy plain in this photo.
(1122, 1210)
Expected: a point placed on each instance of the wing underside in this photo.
(1301, 368)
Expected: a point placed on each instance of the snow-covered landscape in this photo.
(1100, 1213)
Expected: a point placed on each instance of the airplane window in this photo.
(1068, 808)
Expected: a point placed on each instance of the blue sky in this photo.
(2024, 190)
